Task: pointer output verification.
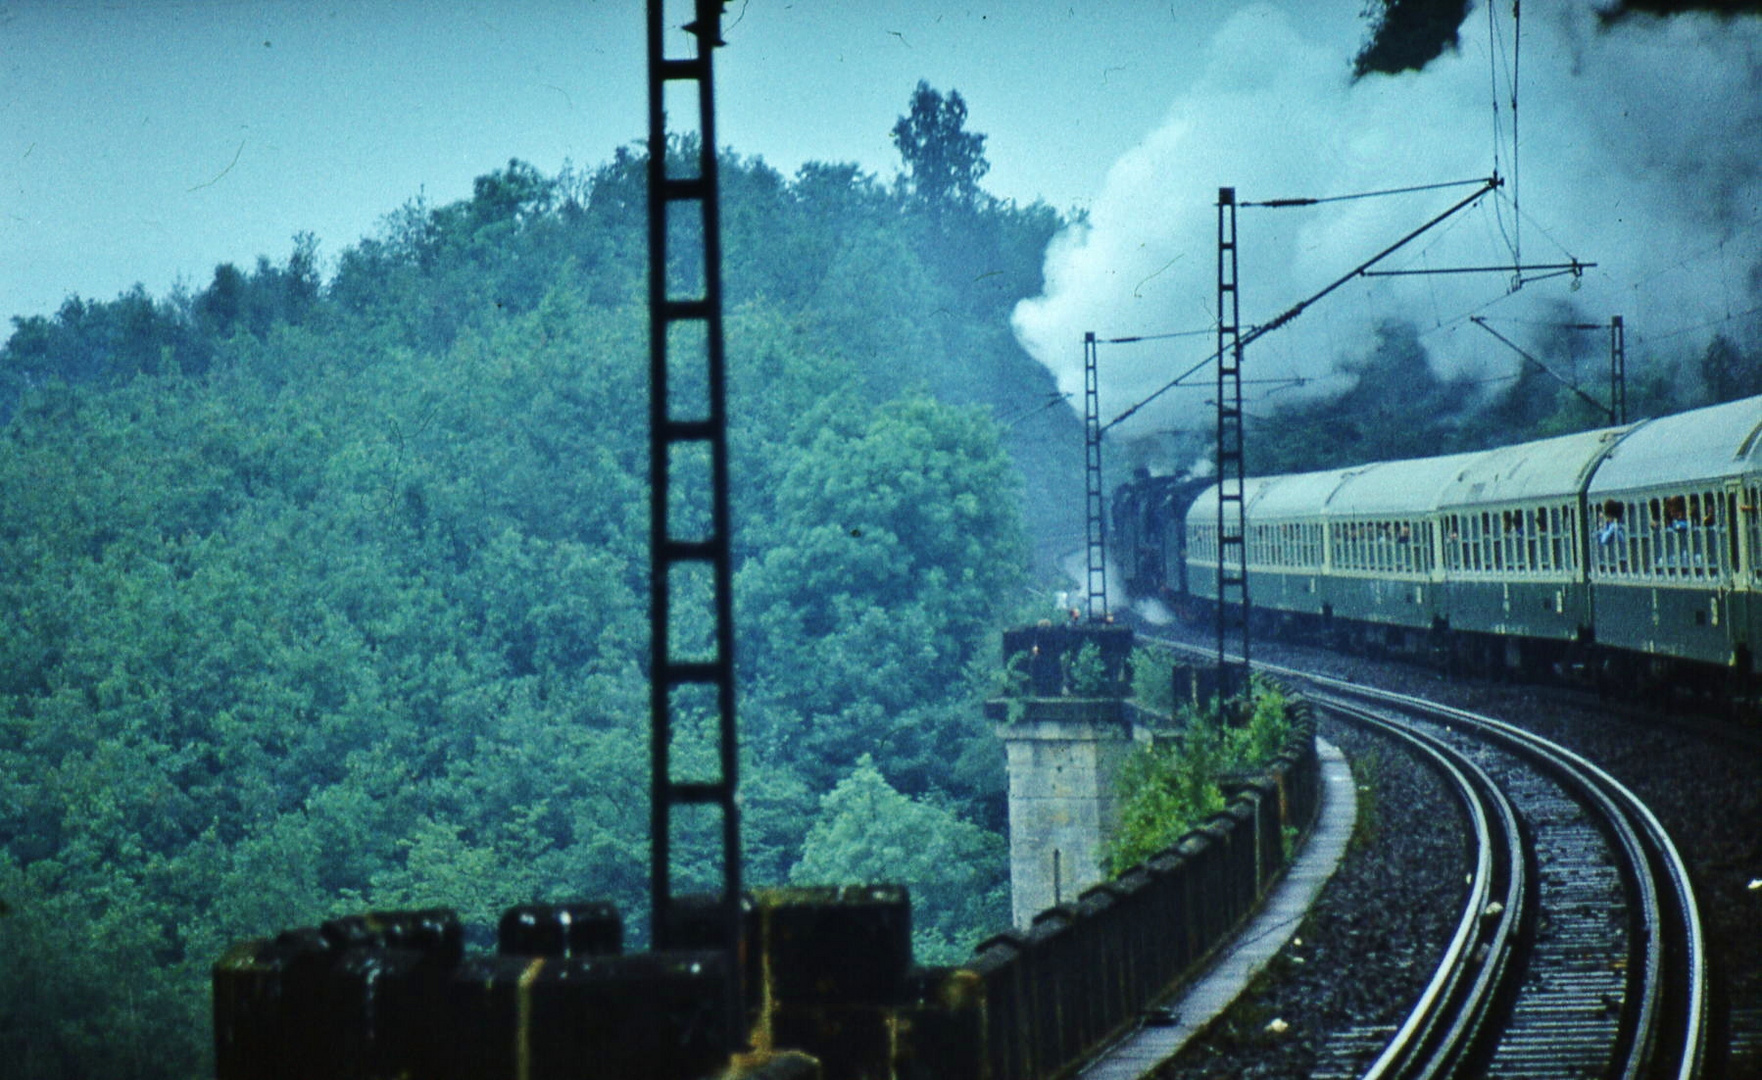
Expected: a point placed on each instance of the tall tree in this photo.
(944, 160)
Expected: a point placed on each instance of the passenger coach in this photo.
(1644, 538)
(1674, 562)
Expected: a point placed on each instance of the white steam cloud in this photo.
(1640, 150)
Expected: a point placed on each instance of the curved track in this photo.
(1589, 961)
(1457, 1012)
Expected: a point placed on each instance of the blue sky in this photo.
(148, 140)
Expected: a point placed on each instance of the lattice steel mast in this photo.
(688, 479)
(1232, 541)
(1095, 505)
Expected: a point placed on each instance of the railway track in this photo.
(1578, 949)
(1449, 1025)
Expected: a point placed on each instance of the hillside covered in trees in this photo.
(321, 593)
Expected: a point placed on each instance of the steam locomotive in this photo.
(1632, 552)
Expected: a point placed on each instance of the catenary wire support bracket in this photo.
(1612, 410)
(691, 621)
(1232, 541)
(1095, 527)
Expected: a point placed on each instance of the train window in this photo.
(1552, 549)
(1753, 515)
(1618, 540)
(1729, 529)
(1707, 525)
(1571, 535)
(1634, 539)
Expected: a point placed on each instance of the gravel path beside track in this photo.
(1369, 944)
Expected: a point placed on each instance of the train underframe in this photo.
(1580, 661)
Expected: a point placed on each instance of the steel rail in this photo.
(1666, 1033)
(1664, 1026)
(1448, 1025)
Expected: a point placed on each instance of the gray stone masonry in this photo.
(1065, 756)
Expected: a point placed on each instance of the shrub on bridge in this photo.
(1171, 786)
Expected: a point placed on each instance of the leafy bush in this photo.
(1253, 745)
(1168, 789)
(1085, 674)
(1171, 787)
(1152, 681)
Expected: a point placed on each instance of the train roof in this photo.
(1701, 446)
(1397, 488)
(1533, 471)
(1381, 489)
(1288, 495)
(1295, 494)
(1204, 507)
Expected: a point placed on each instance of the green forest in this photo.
(322, 592)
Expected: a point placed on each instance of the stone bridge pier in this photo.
(1067, 730)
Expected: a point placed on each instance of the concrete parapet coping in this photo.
(1200, 1002)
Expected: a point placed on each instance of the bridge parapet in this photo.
(826, 976)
